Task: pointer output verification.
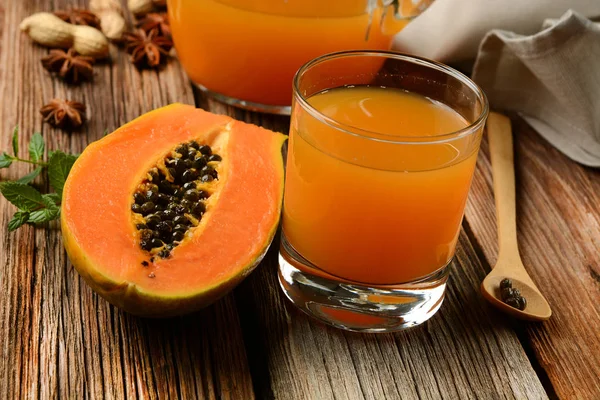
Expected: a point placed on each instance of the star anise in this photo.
(69, 65)
(78, 16)
(146, 48)
(159, 21)
(65, 114)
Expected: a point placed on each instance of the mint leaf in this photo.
(36, 147)
(15, 141)
(55, 197)
(18, 219)
(21, 195)
(5, 160)
(52, 211)
(30, 176)
(49, 201)
(44, 215)
(59, 166)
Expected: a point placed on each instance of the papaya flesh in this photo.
(240, 218)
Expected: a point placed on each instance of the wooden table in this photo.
(58, 339)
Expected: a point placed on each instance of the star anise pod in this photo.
(69, 65)
(159, 21)
(65, 114)
(77, 16)
(146, 48)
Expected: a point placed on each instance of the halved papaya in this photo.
(172, 210)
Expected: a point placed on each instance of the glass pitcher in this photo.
(246, 52)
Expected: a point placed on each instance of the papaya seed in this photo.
(169, 197)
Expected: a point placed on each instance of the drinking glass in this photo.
(371, 218)
(246, 52)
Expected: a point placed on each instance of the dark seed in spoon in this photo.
(505, 283)
(513, 302)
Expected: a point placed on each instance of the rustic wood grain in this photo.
(464, 351)
(558, 217)
(61, 340)
(58, 338)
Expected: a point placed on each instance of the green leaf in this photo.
(23, 196)
(5, 160)
(30, 176)
(49, 200)
(44, 215)
(106, 132)
(54, 196)
(15, 141)
(18, 219)
(36, 147)
(58, 169)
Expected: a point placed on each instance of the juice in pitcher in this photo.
(247, 51)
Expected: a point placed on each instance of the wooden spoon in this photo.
(509, 264)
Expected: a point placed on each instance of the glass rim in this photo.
(367, 134)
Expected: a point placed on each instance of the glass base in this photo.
(354, 306)
(248, 105)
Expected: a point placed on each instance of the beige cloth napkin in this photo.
(451, 30)
(552, 79)
(548, 70)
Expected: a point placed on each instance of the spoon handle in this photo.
(503, 170)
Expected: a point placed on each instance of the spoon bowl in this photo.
(509, 264)
(537, 308)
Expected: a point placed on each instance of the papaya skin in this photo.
(134, 297)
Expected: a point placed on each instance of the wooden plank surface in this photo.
(558, 211)
(60, 339)
(464, 352)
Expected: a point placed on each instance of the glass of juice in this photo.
(381, 154)
(246, 52)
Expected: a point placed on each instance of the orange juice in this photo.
(250, 49)
(385, 209)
